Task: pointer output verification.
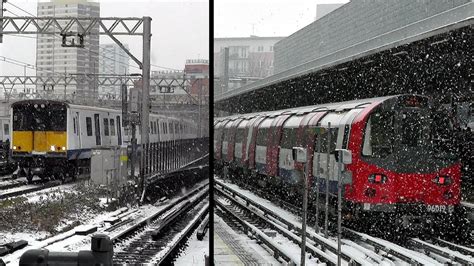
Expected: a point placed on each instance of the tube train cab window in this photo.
(39, 117)
(89, 126)
(112, 127)
(106, 126)
(378, 134)
(412, 128)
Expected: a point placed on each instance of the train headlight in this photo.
(378, 178)
(14, 147)
(442, 180)
(63, 148)
(52, 148)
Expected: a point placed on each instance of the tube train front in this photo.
(400, 160)
(55, 138)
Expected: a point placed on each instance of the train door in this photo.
(231, 142)
(77, 126)
(119, 131)
(97, 129)
(252, 140)
(273, 147)
(329, 139)
(239, 141)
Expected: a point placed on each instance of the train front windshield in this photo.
(402, 140)
(39, 117)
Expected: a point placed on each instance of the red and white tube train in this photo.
(398, 164)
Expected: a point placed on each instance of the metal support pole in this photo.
(328, 164)
(305, 213)
(226, 69)
(339, 209)
(200, 111)
(133, 155)
(145, 112)
(1, 20)
(318, 163)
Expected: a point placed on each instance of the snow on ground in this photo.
(52, 192)
(195, 251)
(223, 255)
(68, 241)
(358, 252)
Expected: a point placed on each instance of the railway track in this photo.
(157, 238)
(25, 189)
(375, 250)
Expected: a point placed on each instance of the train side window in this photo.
(226, 133)
(345, 139)
(119, 131)
(98, 139)
(288, 138)
(324, 140)
(6, 129)
(112, 127)
(262, 137)
(171, 128)
(89, 126)
(74, 124)
(239, 135)
(157, 132)
(106, 126)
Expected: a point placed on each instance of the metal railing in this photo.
(168, 156)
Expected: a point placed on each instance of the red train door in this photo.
(308, 139)
(231, 142)
(253, 140)
(273, 144)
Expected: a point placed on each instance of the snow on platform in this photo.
(232, 248)
(195, 252)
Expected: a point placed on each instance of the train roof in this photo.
(338, 106)
(86, 107)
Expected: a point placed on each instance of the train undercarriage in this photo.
(390, 221)
(50, 168)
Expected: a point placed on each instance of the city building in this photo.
(198, 71)
(324, 9)
(53, 59)
(113, 61)
(250, 58)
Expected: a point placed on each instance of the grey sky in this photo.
(180, 31)
(242, 18)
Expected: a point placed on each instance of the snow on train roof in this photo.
(304, 109)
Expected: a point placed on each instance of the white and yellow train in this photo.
(55, 138)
